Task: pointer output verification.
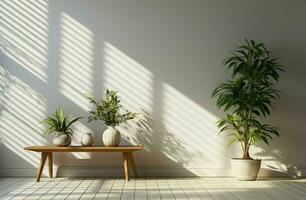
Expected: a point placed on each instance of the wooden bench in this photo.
(47, 151)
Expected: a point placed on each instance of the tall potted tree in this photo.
(247, 99)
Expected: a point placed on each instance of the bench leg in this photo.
(132, 162)
(126, 165)
(50, 163)
(41, 166)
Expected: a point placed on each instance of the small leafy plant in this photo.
(108, 109)
(59, 123)
(249, 95)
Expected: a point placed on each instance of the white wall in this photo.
(164, 58)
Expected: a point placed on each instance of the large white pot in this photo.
(245, 170)
(111, 137)
(61, 139)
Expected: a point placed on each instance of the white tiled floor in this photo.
(171, 188)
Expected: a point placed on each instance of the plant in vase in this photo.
(61, 126)
(109, 110)
(248, 98)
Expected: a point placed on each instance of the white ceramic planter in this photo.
(111, 137)
(245, 170)
(61, 139)
(87, 140)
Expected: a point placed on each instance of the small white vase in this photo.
(111, 137)
(245, 170)
(61, 139)
(87, 140)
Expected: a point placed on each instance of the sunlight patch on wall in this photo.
(76, 61)
(21, 111)
(79, 129)
(132, 80)
(195, 127)
(24, 34)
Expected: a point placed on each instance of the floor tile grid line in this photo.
(275, 192)
(39, 189)
(140, 189)
(149, 189)
(6, 181)
(98, 189)
(216, 195)
(279, 186)
(73, 190)
(36, 190)
(164, 182)
(13, 181)
(20, 186)
(242, 193)
(271, 194)
(64, 188)
(173, 192)
(122, 189)
(11, 187)
(234, 195)
(112, 188)
(90, 190)
(60, 182)
(8, 184)
(129, 189)
(88, 187)
(158, 189)
(102, 189)
(230, 189)
(265, 195)
(171, 189)
(185, 190)
(91, 180)
(29, 188)
(201, 190)
(146, 186)
(81, 180)
(293, 186)
(196, 186)
(226, 186)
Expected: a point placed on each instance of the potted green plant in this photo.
(247, 98)
(61, 126)
(109, 110)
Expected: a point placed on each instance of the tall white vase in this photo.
(111, 137)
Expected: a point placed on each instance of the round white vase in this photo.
(61, 139)
(111, 137)
(87, 140)
(245, 170)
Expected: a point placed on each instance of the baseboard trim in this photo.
(117, 171)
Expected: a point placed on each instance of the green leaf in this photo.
(249, 95)
(73, 121)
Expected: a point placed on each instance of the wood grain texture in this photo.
(83, 149)
(50, 163)
(47, 152)
(41, 165)
(126, 166)
(132, 162)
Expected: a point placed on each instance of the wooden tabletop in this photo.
(83, 149)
